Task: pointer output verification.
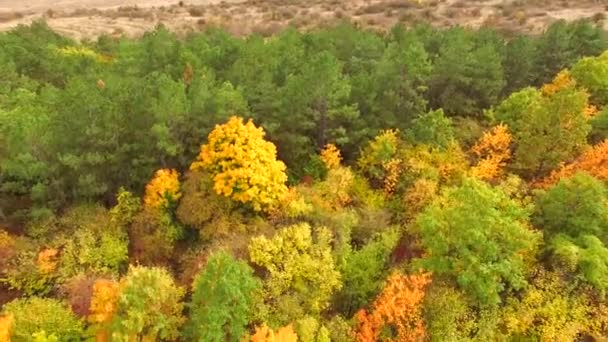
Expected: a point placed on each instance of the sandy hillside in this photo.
(91, 18)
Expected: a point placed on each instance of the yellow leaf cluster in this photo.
(6, 241)
(164, 187)
(103, 301)
(331, 156)
(393, 169)
(47, 260)
(244, 166)
(594, 161)
(265, 334)
(418, 196)
(6, 323)
(493, 152)
(563, 80)
(81, 51)
(381, 149)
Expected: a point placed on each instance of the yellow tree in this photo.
(398, 305)
(243, 165)
(380, 162)
(331, 156)
(163, 189)
(6, 322)
(103, 306)
(493, 152)
(265, 334)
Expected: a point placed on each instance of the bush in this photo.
(51, 316)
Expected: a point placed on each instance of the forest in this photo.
(341, 184)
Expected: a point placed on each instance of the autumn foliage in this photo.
(265, 334)
(399, 305)
(162, 189)
(6, 322)
(103, 306)
(493, 152)
(244, 166)
(330, 156)
(594, 162)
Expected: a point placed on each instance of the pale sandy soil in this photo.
(91, 18)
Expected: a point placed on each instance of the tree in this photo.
(163, 190)
(574, 206)
(284, 334)
(302, 275)
(467, 76)
(243, 165)
(474, 249)
(547, 310)
(521, 63)
(6, 326)
(398, 84)
(493, 151)
(103, 306)
(563, 43)
(574, 215)
(330, 155)
(433, 129)
(32, 315)
(222, 300)
(363, 272)
(592, 74)
(149, 306)
(548, 127)
(593, 161)
(398, 305)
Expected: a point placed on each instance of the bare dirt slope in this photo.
(91, 18)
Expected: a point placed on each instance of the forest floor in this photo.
(91, 18)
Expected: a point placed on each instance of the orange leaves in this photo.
(563, 80)
(243, 165)
(47, 260)
(162, 189)
(398, 305)
(493, 153)
(593, 161)
(284, 334)
(6, 323)
(103, 306)
(393, 169)
(103, 302)
(331, 156)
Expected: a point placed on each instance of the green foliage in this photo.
(432, 128)
(584, 255)
(149, 306)
(474, 249)
(575, 206)
(364, 271)
(447, 314)
(302, 275)
(547, 128)
(221, 305)
(101, 252)
(574, 215)
(547, 310)
(49, 316)
(465, 66)
(591, 73)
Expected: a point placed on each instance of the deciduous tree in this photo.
(243, 165)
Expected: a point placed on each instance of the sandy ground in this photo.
(43, 5)
(91, 18)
